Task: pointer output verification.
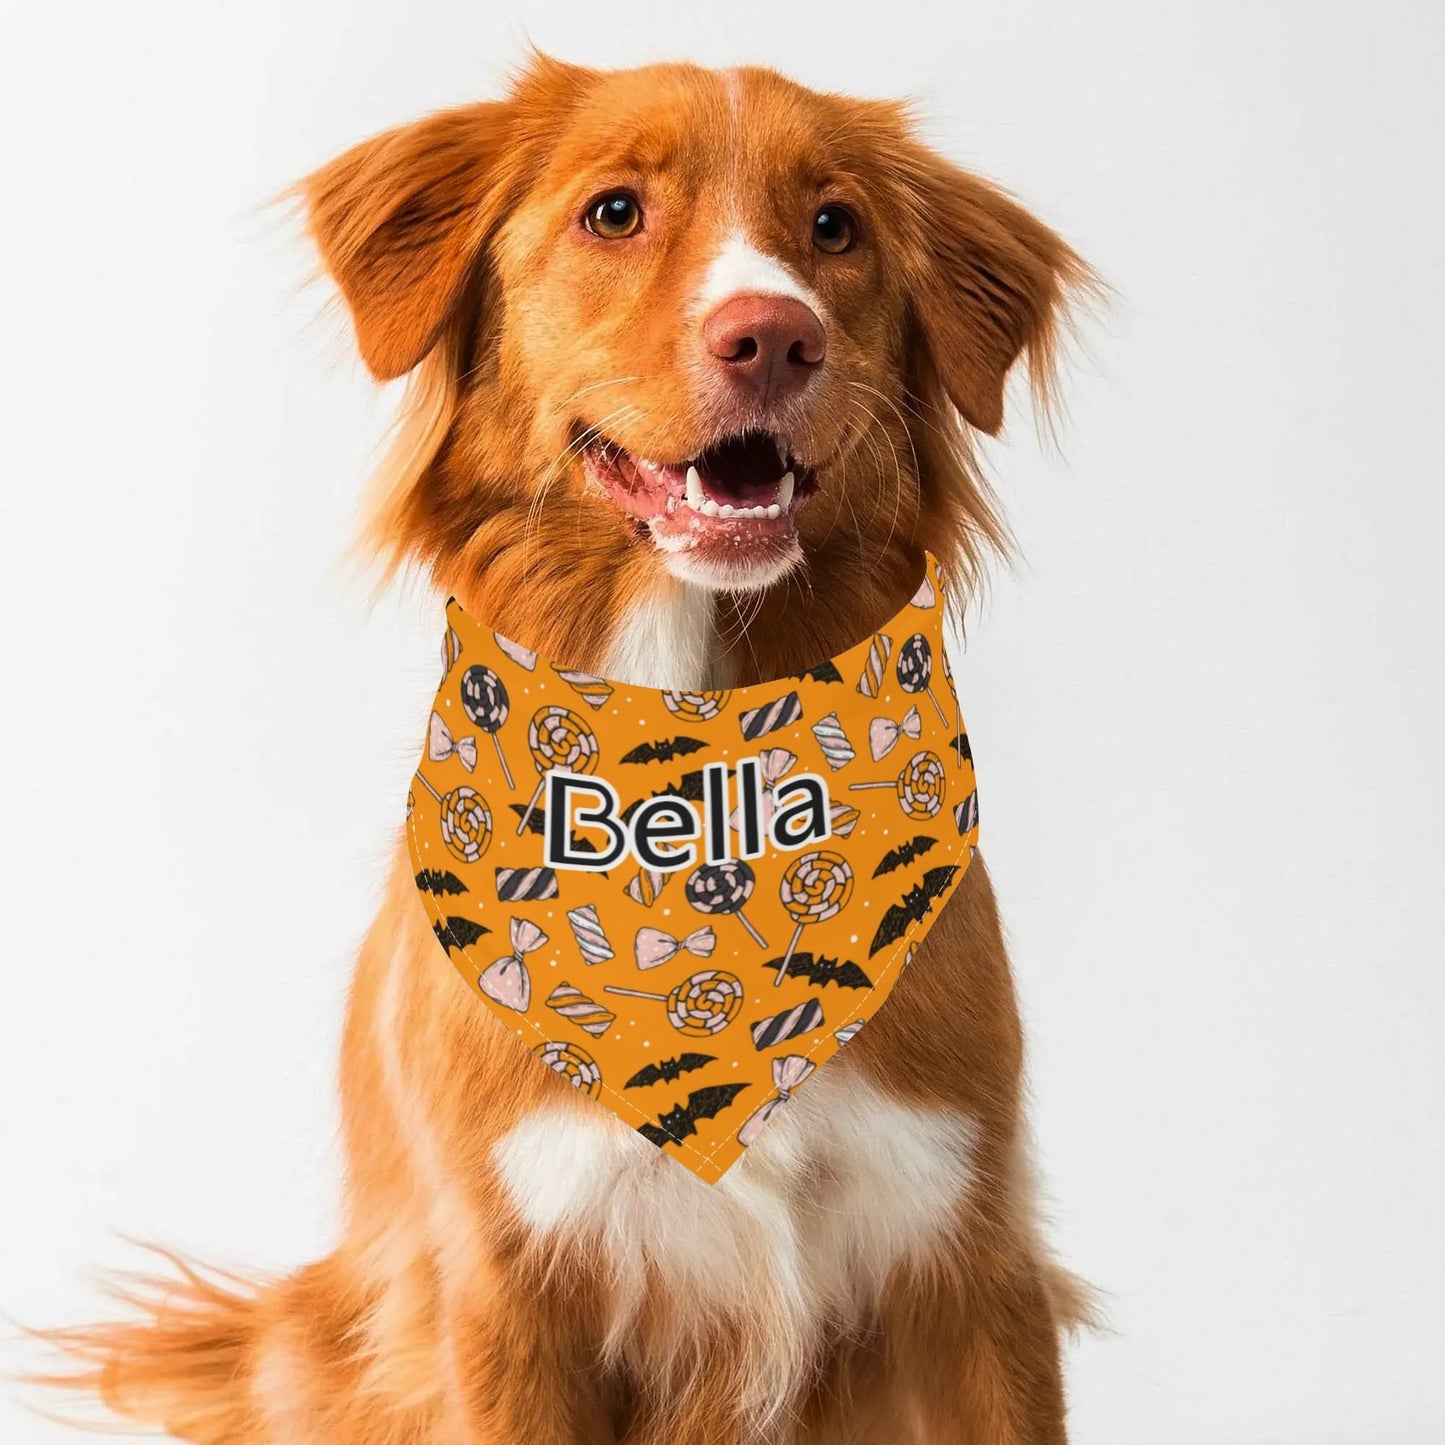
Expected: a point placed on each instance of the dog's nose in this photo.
(772, 344)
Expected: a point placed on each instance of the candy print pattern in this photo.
(915, 669)
(837, 750)
(557, 738)
(695, 706)
(507, 981)
(724, 888)
(706, 1003)
(591, 937)
(607, 976)
(575, 1065)
(880, 649)
(572, 1003)
(485, 702)
(525, 885)
(593, 690)
(920, 786)
(757, 722)
(779, 1028)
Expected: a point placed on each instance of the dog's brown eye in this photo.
(614, 216)
(834, 230)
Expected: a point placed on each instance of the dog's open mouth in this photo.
(742, 492)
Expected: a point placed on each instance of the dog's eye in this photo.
(614, 216)
(834, 230)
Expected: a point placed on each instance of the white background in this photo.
(1206, 705)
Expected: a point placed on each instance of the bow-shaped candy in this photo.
(440, 745)
(788, 1072)
(883, 733)
(774, 764)
(507, 980)
(655, 947)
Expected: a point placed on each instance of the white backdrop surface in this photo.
(1205, 706)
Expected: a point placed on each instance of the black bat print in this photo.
(689, 789)
(439, 880)
(824, 672)
(667, 1071)
(961, 747)
(664, 750)
(823, 971)
(459, 932)
(681, 1120)
(913, 907)
(904, 854)
(537, 823)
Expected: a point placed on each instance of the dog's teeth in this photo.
(726, 510)
(695, 498)
(785, 491)
(775, 510)
(709, 508)
(672, 504)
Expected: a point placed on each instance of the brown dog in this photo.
(696, 358)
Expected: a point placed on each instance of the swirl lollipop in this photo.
(704, 1004)
(485, 702)
(920, 786)
(696, 706)
(915, 670)
(558, 739)
(724, 888)
(575, 1065)
(466, 821)
(815, 887)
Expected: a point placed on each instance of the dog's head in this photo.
(710, 319)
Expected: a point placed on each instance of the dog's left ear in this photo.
(990, 283)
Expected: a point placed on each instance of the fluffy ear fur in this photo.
(991, 283)
(400, 221)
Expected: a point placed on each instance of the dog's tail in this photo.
(192, 1358)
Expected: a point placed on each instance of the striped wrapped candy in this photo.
(524, 885)
(803, 1019)
(759, 721)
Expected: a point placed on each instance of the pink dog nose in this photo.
(772, 344)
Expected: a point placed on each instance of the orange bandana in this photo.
(725, 886)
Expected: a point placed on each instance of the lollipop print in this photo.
(485, 702)
(558, 739)
(815, 887)
(920, 786)
(704, 1004)
(575, 1065)
(724, 888)
(466, 823)
(915, 670)
(696, 706)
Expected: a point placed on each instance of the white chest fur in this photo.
(844, 1185)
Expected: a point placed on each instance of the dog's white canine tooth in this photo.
(695, 496)
(785, 490)
(726, 510)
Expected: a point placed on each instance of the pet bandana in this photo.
(686, 902)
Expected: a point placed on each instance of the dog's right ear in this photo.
(401, 219)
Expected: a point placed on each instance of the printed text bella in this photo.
(663, 833)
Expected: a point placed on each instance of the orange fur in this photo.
(441, 1318)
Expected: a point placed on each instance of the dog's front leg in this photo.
(518, 1371)
(967, 1361)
